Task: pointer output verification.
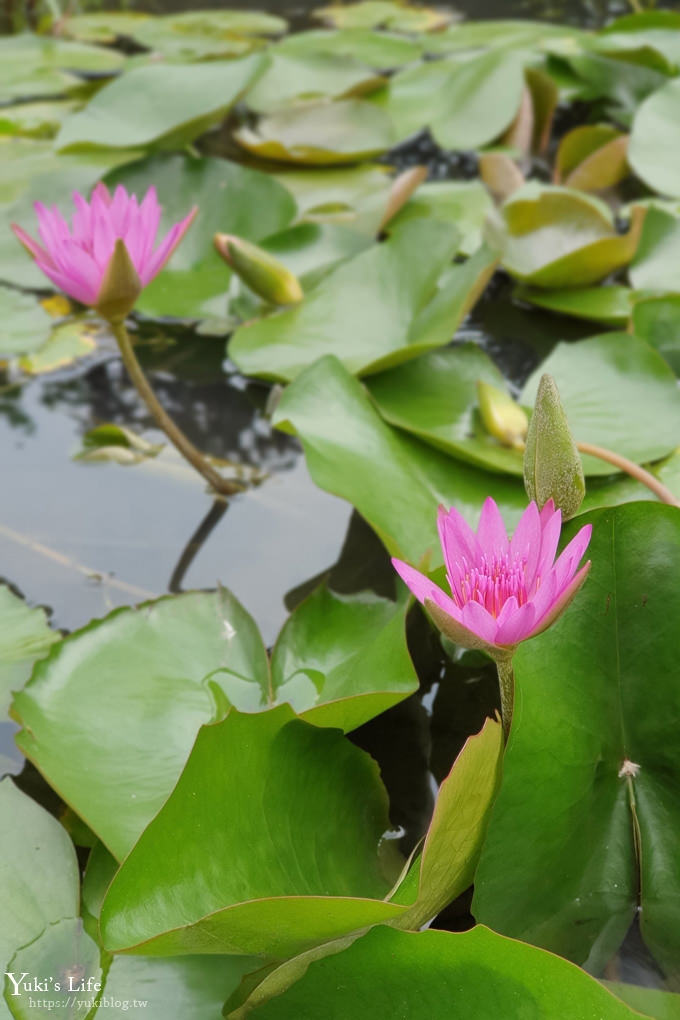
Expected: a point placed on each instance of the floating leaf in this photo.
(436, 398)
(102, 27)
(552, 237)
(379, 50)
(609, 305)
(200, 34)
(298, 78)
(26, 324)
(34, 120)
(600, 736)
(657, 320)
(37, 65)
(465, 103)
(618, 393)
(383, 13)
(39, 881)
(24, 638)
(320, 133)
(352, 196)
(656, 259)
(181, 102)
(394, 481)
(435, 975)
(650, 1001)
(623, 86)
(66, 343)
(592, 157)
(302, 869)
(465, 204)
(634, 35)
(499, 34)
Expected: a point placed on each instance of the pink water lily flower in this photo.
(503, 591)
(79, 259)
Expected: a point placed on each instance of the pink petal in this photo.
(572, 554)
(166, 247)
(74, 288)
(479, 621)
(491, 533)
(419, 585)
(36, 250)
(547, 512)
(102, 194)
(52, 227)
(103, 240)
(515, 626)
(525, 544)
(76, 264)
(551, 527)
(459, 544)
(560, 604)
(81, 220)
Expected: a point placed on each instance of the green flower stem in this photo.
(632, 469)
(506, 682)
(163, 420)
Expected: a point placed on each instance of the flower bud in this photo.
(552, 464)
(120, 286)
(502, 416)
(259, 270)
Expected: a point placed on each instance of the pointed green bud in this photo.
(259, 270)
(120, 286)
(502, 416)
(552, 464)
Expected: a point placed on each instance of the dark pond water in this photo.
(81, 539)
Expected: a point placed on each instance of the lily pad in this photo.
(435, 975)
(654, 152)
(68, 341)
(636, 34)
(320, 133)
(499, 34)
(618, 393)
(465, 103)
(400, 16)
(657, 320)
(465, 204)
(26, 324)
(34, 120)
(37, 65)
(355, 197)
(611, 306)
(600, 735)
(302, 869)
(24, 639)
(295, 79)
(552, 237)
(39, 883)
(199, 34)
(622, 86)
(379, 50)
(102, 26)
(592, 157)
(395, 481)
(436, 399)
(181, 102)
(650, 1001)
(377, 310)
(657, 260)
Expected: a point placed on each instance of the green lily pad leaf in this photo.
(394, 481)
(341, 660)
(552, 237)
(654, 152)
(126, 696)
(592, 157)
(173, 987)
(624, 489)
(435, 398)
(636, 33)
(609, 305)
(70, 958)
(181, 102)
(230, 198)
(435, 975)
(68, 341)
(623, 86)
(493, 34)
(618, 393)
(446, 866)
(26, 324)
(39, 881)
(650, 1001)
(297, 78)
(465, 204)
(402, 17)
(320, 133)
(352, 196)
(601, 737)
(103, 26)
(199, 34)
(272, 890)
(379, 50)
(465, 103)
(657, 320)
(34, 120)
(655, 264)
(37, 65)
(310, 250)
(24, 638)
(377, 310)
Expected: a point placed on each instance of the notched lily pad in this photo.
(592, 158)
(401, 16)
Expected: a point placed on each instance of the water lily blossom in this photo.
(106, 256)
(503, 591)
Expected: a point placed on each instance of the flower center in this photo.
(491, 581)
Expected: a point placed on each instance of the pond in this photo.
(100, 512)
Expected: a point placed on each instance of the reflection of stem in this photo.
(193, 546)
(506, 682)
(632, 469)
(163, 420)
